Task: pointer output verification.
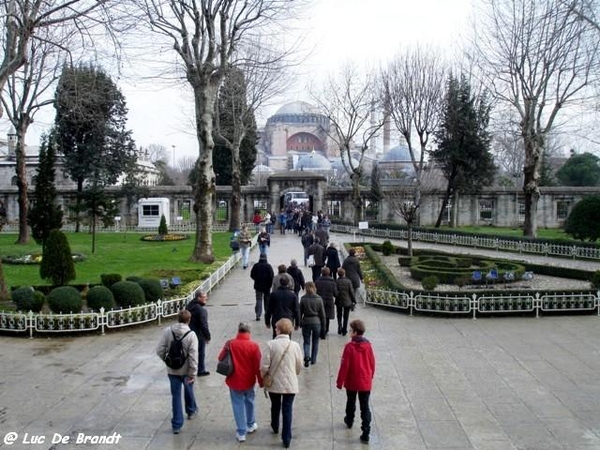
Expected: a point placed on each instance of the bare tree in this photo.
(538, 58)
(414, 90)
(586, 10)
(349, 102)
(28, 90)
(507, 147)
(205, 34)
(25, 20)
(156, 152)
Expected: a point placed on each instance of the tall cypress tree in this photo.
(463, 141)
(45, 215)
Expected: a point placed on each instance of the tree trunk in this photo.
(444, 204)
(356, 199)
(3, 287)
(22, 186)
(236, 190)
(205, 188)
(531, 172)
(78, 206)
(409, 227)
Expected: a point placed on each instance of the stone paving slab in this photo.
(502, 383)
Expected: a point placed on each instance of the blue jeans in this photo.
(282, 403)
(245, 255)
(311, 333)
(242, 403)
(201, 355)
(177, 381)
(263, 248)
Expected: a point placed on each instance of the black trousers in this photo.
(365, 412)
(342, 318)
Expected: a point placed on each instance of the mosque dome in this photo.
(298, 113)
(399, 153)
(261, 168)
(313, 161)
(336, 163)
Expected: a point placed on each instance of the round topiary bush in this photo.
(128, 293)
(387, 248)
(65, 299)
(595, 280)
(108, 279)
(153, 291)
(26, 299)
(133, 278)
(100, 297)
(430, 283)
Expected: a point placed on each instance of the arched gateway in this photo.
(311, 183)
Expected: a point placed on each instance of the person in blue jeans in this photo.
(282, 360)
(182, 378)
(264, 241)
(312, 319)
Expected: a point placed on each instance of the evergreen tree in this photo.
(580, 170)
(98, 206)
(463, 141)
(90, 122)
(583, 222)
(57, 261)
(45, 215)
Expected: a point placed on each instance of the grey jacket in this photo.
(312, 310)
(190, 346)
(345, 297)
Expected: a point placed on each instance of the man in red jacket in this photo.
(245, 354)
(356, 375)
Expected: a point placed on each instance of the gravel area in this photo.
(539, 282)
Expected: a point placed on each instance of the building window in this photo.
(14, 180)
(150, 210)
(334, 208)
(260, 205)
(521, 212)
(185, 209)
(486, 208)
(562, 210)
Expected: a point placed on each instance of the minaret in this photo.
(374, 144)
(12, 144)
(386, 126)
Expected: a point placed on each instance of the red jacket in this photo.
(245, 354)
(358, 366)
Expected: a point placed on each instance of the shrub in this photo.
(430, 283)
(57, 262)
(26, 299)
(583, 222)
(152, 289)
(128, 293)
(108, 279)
(65, 299)
(595, 279)
(462, 281)
(387, 248)
(134, 278)
(100, 297)
(404, 261)
(162, 227)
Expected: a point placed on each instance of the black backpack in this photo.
(175, 357)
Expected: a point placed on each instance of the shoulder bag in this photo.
(268, 378)
(225, 365)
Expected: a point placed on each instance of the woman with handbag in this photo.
(280, 365)
(243, 371)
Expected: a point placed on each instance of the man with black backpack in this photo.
(199, 324)
(178, 348)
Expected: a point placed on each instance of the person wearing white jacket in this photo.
(282, 360)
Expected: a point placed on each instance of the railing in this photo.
(574, 251)
(484, 303)
(114, 318)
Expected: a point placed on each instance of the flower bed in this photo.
(165, 237)
(35, 258)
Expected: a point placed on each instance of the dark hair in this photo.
(341, 272)
(283, 281)
(358, 326)
(281, 268)
(325, 271)
(351, 252)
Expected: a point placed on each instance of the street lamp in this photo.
(173, 156)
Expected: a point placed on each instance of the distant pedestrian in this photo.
(184, 376)
(307, 240)
(199, 324)
(352, 267)
(332, 259)
(246, 356)
(264, 241)
(317, 251)
(245, 241)
(262, 274)
(356, 375)
(327, 290)
(283, 303)
(312, 318)
(282, 273)
(345, 301)
(282, 359)
(282, 221)
(297, 275)
(257, 219)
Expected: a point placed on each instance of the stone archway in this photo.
(311, 183)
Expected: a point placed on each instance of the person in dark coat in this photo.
(332, 260)
(318, 253)
(312, 315)
(307, 240)
(345, 301)
(297, 275)
(327, 290)
(199, 325)
(352, 267)
(283, 304)
(323, 236)
(262, 274)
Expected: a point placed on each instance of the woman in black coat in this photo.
(352, 267)
(327, 290)
(332, 260)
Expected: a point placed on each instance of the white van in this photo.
(297, 197)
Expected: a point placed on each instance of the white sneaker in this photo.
(253, 428)
(240, 437)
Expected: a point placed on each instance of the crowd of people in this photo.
(331, 294)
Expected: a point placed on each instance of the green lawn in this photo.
(122, 253)
(553, 233)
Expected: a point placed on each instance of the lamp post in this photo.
(173, 156)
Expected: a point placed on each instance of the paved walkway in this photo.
(441, 383)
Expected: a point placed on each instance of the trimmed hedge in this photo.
(100, 297)
(26, 299)
(128, 293)
(108, 279)
(153, 291)
(65, 299)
